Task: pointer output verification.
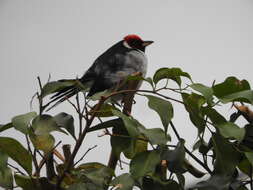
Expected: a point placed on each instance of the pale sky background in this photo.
(210, 39)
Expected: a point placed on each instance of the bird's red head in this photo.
(134, 41)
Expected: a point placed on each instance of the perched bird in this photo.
(109, 69)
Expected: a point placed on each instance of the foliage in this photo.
(224, 145)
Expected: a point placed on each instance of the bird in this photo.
(121, 60)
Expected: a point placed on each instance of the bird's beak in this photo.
(147, 43)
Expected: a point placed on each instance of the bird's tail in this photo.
(64, 94)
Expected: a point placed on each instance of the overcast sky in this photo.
(210, 39)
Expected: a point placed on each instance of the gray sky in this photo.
(210, 39)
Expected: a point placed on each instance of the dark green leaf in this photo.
(249, 156)
(156, 136)
(5, 127)
(66, 121)
(243, 96)
(229, 86)
(215, 182)
(162, 107)
(244, 166)
(56, 86)
(175, 158)
(104, 111)
(227, 129)
(130, 123)
(227, 157)
(6, 179)
(44, 124)
(170, 73)
(144, 163)
(123, 182)
(78, 186)
(25, 182)
(90, 166)
(17, 152)
(3, 160)
(193, 104)
(207, 92)
(154, 183)
(22, 122)
(98, 176)
(107, 124)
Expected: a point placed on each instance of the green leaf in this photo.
(170, 73)
(123, 182)
(3, 160)
(243, 96)
(6, 179)
(144, 163)
(162, 107)
(90, 166)
(233, 89)
(175, 158)
(207, 92)
(98, 176)
(215, 182)
(66, 121)
(227, 129)
(244, 166)
(130, 123)
(104, 111)
(227, 157)
(25, 182)
(44, 124)
(229, 86)
(78, 186)
(193, 104)
(249, 156)
(5, 127)
(17, 152)
(56, 86)
(22, 122)
(42, 142)
(156, 136)
(107, 124)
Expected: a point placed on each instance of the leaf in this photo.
(156, 136)
(244, 166)
(17, 152)
(170, 73)
(193, 104)
(243, 96)
(107, 124)
(154, 183)
(90, 166)
(5, 127)
(227, 157)
(78, 186)
(6, 179)
(44, 124)
(162, 107)
(131, 124)
(229, 86)
(123, 182)
(227, 129)
(104, 111)
(25, 182)
(66, 121)
(144, 163)
(249, 156)
(42, 142)
(98, 176)
(175, 158)
(207, 92)
(3, 160)
(22, 122)
(56, 86)
(215, 182)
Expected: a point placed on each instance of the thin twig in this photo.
(89, 149)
